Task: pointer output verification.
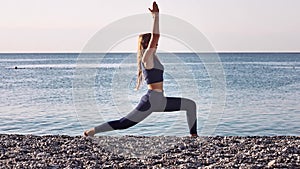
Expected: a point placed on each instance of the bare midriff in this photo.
(156, 86)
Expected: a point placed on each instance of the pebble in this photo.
(271, 163)
(60, 151)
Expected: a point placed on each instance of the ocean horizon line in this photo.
(122, 52)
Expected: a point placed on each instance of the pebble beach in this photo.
(61, 151)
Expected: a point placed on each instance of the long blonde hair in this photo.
(143, 43)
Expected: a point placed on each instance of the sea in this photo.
(243, 94)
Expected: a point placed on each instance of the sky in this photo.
(229, 25)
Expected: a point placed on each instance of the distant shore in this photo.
(60, 151)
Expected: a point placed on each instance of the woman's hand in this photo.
(154, 9)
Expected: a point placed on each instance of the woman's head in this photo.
(144, 40)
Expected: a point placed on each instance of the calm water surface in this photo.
(262, 94)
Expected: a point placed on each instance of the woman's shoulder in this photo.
(149, 57)
(148, 65)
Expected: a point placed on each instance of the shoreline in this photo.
(61, 151)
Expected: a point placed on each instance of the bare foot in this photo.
(90, 132)
(194, 135)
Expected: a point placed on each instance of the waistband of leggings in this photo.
(154, 91)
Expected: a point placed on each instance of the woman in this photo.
(154, 101)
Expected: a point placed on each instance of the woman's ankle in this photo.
(194, 135)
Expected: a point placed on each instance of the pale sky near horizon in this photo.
(230, 25)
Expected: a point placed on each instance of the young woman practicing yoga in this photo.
(154, 100)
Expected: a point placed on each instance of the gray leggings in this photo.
(153, 101)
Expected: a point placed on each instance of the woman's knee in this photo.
(193, 105)
(188, 104)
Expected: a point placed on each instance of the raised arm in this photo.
(155, 30)
(148, 55)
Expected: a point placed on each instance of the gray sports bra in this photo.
(155, 74)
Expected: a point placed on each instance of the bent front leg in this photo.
(177, 103)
